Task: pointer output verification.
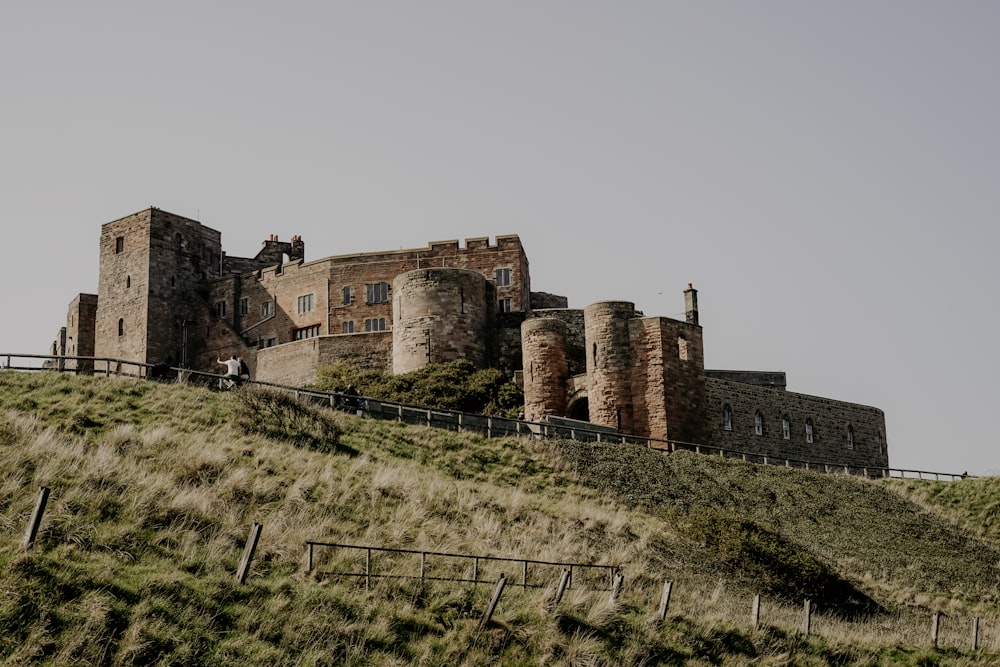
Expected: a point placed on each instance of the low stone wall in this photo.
(296, 363)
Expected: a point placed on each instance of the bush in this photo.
(278, 415)
(774, 564)
(456, 385)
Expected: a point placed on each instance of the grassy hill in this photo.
(154, 489)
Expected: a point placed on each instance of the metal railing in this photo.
(463, 422)
(476, 562)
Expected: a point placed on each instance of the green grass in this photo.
(154, 488)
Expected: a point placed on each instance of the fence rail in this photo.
(453, 420)
(476, 561)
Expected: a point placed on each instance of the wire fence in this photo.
(453, 420)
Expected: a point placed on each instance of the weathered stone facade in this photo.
(168, 294)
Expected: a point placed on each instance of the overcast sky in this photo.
(824, 173)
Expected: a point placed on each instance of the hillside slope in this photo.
(154, 488)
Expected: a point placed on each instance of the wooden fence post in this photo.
(665, 599)
(561, 588)
(975, 633)
(248, 550)
(616, 588)
(368, 569)
(309, 556)
(36, 518)
(935, 627)
(806, 617)
(497, 592)
(755, 611)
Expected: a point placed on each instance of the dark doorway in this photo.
(580, 410)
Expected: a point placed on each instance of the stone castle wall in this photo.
(669, 379)
(829, 418)
(442, 315)
(297, 363)
(543, 341)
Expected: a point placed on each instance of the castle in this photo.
(169, 294)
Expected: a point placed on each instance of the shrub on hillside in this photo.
(278, 415)
(775, 564)
(456, 385)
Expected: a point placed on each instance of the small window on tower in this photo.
(758, 423)
(220, 308)
(503, 305)
(349, 327)
(348, 297)
(809, 431)
(786, 428)
(244, 305)
(119, 245)
(121, 327)
(727, 418)
(682, 348)
(503, 277)
(128, 282)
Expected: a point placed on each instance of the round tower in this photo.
(610, 363)
(440, 315)
(543, 350)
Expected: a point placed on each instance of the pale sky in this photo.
(824, 173)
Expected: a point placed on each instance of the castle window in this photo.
(377, 293)
(305, 303)
(682, 348)
(178, 241)
(880, 442)
(849, 435)
(503, 277)
(244, 305)
(128, 282)
(267, 342)
(348, 297)
(375, 324)
(173, 281)
(305, 332)
(265, 309)
(349, 327)
(758, 423)
(121, 327)
(119, 245)
(786, 428)
(809, 431)
(220, 308)
(727, 417)
(503, 305)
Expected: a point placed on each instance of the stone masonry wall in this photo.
(297, 363)
(123, 288)
(830, 419)
(669, 384)
(576, 343)
(441, 315)
(772, 379)
(81, 321)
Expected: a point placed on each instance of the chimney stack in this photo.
(691, 304)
